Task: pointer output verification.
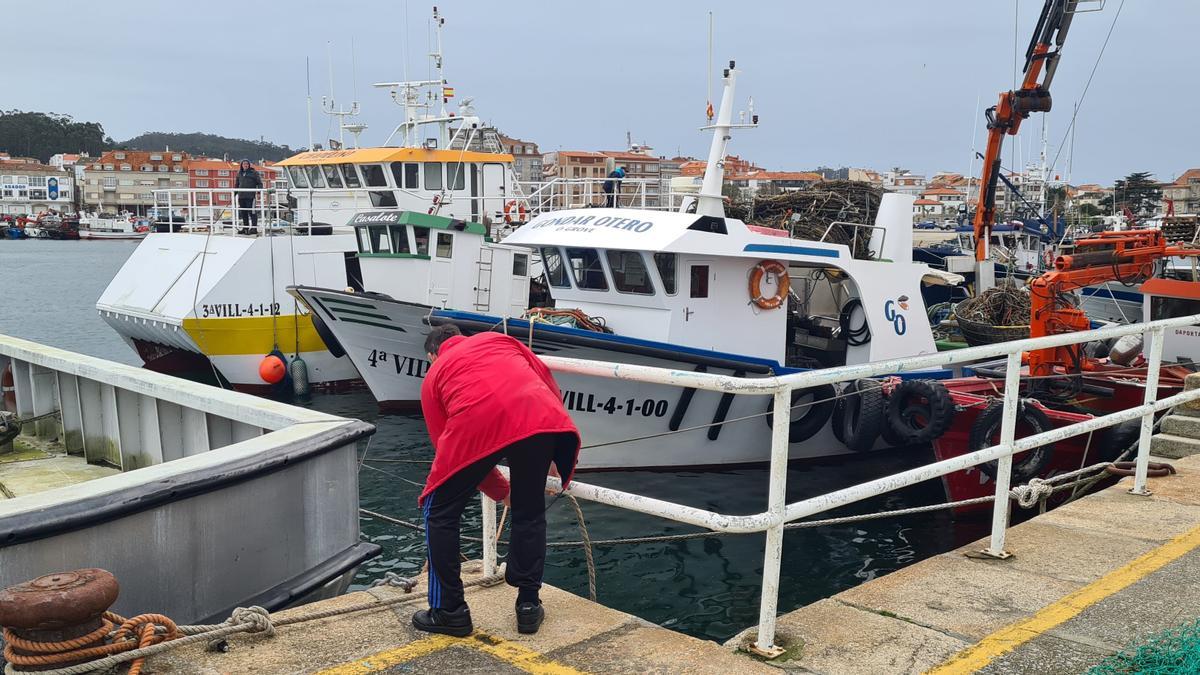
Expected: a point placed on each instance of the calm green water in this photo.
(707, 588)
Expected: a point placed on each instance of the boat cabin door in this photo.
(699, 277)
(493, 194)
(441, 272)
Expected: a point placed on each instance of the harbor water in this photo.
(705, 587)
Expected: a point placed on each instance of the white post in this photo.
(489, 534)
(1143, 456)
(1008, 432)
(764, 644)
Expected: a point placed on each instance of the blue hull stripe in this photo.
(1128, 296)
(516, 326)
(795, 250)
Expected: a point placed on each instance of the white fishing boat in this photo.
(209, 293)
(97, 226)
(671, 289)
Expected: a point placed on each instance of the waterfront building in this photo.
(527, 159)
(125, 180)
(904, 182)
(28, 187)
(760, 183)
(1184, 192)
(213, 179)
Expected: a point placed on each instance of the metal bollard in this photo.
(59, 607)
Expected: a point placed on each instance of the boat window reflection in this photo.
(586, 267)
(556, 272)
(456, 176)
(350, 176)
(332, 177)
(665, 262)
(315, 177)
(372, 175)
(433, 175)
(520, 265)
(400, 239)
(445, 245)
(421, 234)
(629, 272)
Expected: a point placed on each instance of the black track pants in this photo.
(528, 462)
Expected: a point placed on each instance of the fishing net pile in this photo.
(572, 318)
(1172, 652)
(1005, 305)
(808, 213)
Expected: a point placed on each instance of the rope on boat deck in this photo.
(151, 627)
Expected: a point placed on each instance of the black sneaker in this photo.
(434, 620)
(529, 617)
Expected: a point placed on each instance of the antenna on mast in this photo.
(308, 88)
(708, 71)
(329, 104)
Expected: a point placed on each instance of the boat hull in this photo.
(624, 424)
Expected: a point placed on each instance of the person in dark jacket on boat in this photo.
(612, 186)
(487, 397)
(244, 184)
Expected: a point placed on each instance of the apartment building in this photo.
(1183, 193)
(527, 160)
(29, 187)
(125, 180)
(212, 180)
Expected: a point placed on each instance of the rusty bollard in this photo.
(57, 608)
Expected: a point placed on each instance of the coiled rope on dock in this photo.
(145, 635)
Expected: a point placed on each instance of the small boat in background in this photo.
(98, 226)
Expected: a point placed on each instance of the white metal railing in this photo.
(778, 513)
(220, 210)
(576, 193)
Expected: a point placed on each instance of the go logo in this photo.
(891, 312)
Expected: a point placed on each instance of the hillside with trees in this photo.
(209, 145)
(41, 135)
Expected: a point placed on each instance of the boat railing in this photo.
(204, 477)
(779, 513)
(871, 229)
(559, 194)
(219, 210)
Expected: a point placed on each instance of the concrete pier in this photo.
(1086, 580)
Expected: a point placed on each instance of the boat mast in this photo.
(710, 201)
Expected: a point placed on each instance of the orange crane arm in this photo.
(1005, 117)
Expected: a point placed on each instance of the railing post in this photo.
(1008, 432)
(1143, 456)
(764, 644)
(489, 534)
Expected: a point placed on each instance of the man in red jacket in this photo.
(486, 398)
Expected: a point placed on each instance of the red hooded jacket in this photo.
(485, 392)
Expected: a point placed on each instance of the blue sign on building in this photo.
(52, 188)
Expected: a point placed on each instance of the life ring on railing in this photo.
(1031, 420)
(782, 284)
(511, 206)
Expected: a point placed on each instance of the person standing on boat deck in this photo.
(487, 397)
(244, 183)
(612, 186)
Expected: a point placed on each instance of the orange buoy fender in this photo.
(272, 369)
(782, 285)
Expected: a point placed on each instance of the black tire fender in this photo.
(814, 414)
(1117, 439)
(919, 411)
(985, 433)
(858, 416)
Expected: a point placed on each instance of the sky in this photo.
(859, 83)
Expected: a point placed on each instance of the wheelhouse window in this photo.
(665, 262)
(400, 239)
(332, 176)
(699, 281)
(372, 175)
(405, 174)
(520, 265)
(629, 272)
(380, 243)
(350, 176)
(555, 270)
(587, 270)
(445, 245)
(364, 240)
(433, 175)
(315, 177)
(456, 176)
(421, 236)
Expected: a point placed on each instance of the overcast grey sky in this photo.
(838, 82)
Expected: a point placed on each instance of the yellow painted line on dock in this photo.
(516, 655)
(1056, 613)
(392, 657)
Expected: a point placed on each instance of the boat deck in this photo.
(35, 466)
